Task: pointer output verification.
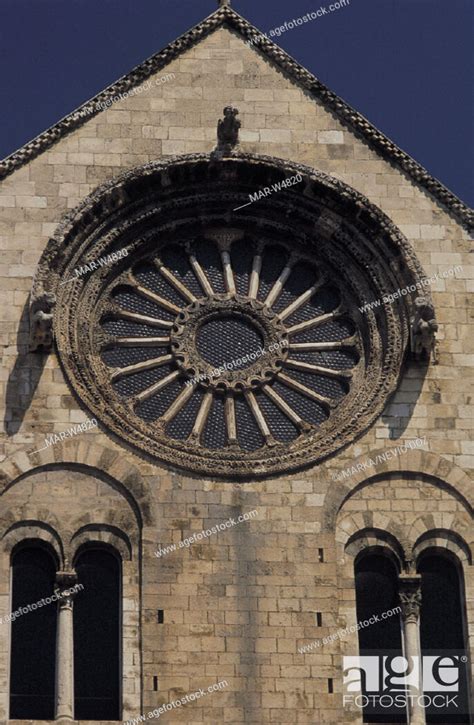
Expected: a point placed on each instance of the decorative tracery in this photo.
(229, 331)
(232, 339)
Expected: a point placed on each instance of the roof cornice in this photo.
(226, 16)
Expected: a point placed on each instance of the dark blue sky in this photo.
(404, 64)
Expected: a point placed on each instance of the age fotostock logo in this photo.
(389, 684)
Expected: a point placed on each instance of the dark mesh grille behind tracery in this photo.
(331, 331)
(281, 427)
(227, 340)
(122, 356)
(181, 426)
(248, 432)
(273, 262)
(335, 359)
(307, 409)
(215, 430)
(148, 275)
(157, 405)
(176, 260)
(301, 278)
(324, 386)
(209, 258)
(136, 383)
(132, 301)
(323, 301)
(242, 258)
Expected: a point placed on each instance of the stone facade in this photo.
(238, 604)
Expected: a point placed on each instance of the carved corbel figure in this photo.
(228, 130)
(410, 602)
(41, 322)
(423, 330)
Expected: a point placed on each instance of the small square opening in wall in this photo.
(319, 619)
(321, 555)
(160, 616)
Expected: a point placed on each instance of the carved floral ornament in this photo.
(230, 343)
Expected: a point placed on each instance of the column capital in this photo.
(224, 237)
(65, 581)
(410, 596)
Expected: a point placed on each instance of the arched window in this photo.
(97, 642)
(442, 601)
(376, 593)
(33, 635)
(376, 583)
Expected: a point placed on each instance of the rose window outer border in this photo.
(349, 230)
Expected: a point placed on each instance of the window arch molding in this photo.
(360, 531)
(375, 541)
(445, 542)
(101, 536)
(35, 533)
(320, 218)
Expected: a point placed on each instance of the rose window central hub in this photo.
(229, 343)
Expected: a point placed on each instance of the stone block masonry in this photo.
(236, 609)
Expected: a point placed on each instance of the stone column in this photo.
(64, 705)
(410, 602)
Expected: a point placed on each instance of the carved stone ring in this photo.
(230, 343)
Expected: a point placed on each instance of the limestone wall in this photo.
(239, 604)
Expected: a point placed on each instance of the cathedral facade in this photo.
(236, 471)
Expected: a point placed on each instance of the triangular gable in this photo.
(226, 16)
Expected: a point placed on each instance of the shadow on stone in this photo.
(23, 379)
(399, 409)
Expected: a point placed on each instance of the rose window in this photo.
(229, 342)
(231, 339)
